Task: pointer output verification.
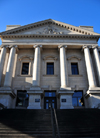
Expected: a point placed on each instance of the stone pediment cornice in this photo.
(48, 22)
(10, 36)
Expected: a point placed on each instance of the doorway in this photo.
(22, 99)
(50, 99)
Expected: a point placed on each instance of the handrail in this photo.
(52, 121)
(56, 123)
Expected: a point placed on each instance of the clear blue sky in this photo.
(74, 12)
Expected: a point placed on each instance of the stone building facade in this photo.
(49, 62)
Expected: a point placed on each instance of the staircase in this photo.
(23, 123)
(79, 123)
(73, 123)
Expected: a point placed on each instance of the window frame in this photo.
(77, 68)
(25, 59)
(29, 70)
(47, 68)
(22, 68)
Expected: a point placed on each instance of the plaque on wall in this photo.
(63, 100)
(37, 100)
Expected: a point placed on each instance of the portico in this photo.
(55, 61)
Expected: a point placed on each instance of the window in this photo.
(25, 68)
(74, 68)
(50, 68)
(50, 94)
(77, 98)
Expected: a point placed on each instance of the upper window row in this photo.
(50, 68)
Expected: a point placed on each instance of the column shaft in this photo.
(63, 70)
(36, 69)
(89, 67)
(8, 77)
(2, 59)
(97, 61)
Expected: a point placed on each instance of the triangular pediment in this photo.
(48, 27)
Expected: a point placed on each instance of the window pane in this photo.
(47, 105)
(77, 94)
(79, 104)
(74, 68)
(50, 68)
(25, 68)
(74, 101)
(77, 98)
(50, 94)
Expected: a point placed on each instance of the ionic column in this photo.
(2, 60)
(8, 77)
(36, 69)
(89, 67)
(97, 60)
(63, 70)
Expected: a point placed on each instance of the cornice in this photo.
(50, 57)
(10, 36)
(49, 21)
(25, 56)
(74, 56)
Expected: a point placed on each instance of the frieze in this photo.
(50, 30)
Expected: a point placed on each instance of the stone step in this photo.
(25, 132)
(21, 135)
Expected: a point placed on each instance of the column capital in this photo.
(60, 46)
(15, 46)
(37, 46)
(95, 46)
(86, 46)
(5, 46)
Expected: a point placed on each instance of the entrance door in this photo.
(50, 98)
(22, 99)
(48, 101)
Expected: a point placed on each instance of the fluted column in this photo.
(36, 69)
(8, 77)
(2, 60)
(89, 67)
(97, 60)
(63, 70)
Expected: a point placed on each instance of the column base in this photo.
(66, 99)
(6, 97)
(93, 97)
(34, 98)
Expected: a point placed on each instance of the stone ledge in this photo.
(35, 92)
(50, 75)
(94, 89)
(5, 92)
(65, 92)
(24, 75)
(75, 75)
